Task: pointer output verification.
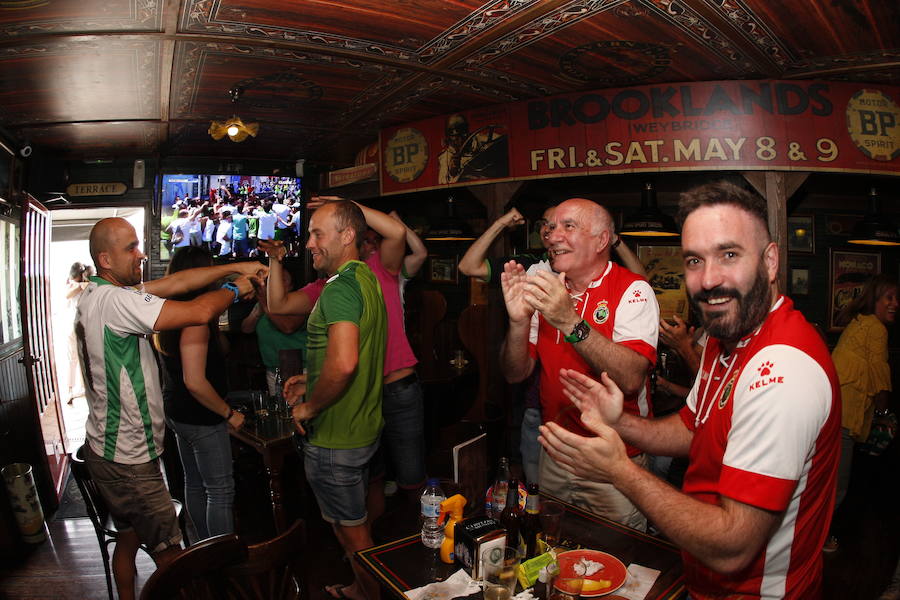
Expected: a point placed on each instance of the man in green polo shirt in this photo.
(340, 418)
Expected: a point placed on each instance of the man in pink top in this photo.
(403, 438)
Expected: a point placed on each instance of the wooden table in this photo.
(406, 564)
(272, 437)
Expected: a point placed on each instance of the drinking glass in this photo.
(564, 588)
(551, 516)
(498, 571)
(260, 404)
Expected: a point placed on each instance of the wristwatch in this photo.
(234, 289)
(579, 333)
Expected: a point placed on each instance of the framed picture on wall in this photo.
(442, 269)
(848, 271)
(799, 281)
(801, 234)
(665, 272)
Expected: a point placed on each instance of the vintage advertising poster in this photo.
(849, 271)
(665, 271)
(713, 125)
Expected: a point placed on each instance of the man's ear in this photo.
(770, 255)
(348, 236)
(103, 261)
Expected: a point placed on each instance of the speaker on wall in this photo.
(299, 167)
(138, 174)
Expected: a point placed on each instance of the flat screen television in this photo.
(227, 214)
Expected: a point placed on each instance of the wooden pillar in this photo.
(777, 187)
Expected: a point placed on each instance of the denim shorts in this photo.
(340, 479)
(138, 499)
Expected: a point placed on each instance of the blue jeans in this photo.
(529, 445)
(403, 436)
(205, 452)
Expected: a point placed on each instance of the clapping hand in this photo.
(513, 281)
(594, 458)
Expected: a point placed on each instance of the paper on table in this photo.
(640, 580)
(457, 585)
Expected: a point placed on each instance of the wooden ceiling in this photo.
(139, 78)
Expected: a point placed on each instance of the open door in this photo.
(37, 335)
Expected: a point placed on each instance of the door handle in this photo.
(30, 361)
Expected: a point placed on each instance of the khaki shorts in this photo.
(138, 499)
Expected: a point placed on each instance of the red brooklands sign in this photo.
(746, 125)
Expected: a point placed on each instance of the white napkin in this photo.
(457, 585)
(640, 580)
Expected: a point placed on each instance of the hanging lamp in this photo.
(649, 221)
(876, 228)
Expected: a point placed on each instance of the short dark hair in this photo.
(724, 192)
(348, 214)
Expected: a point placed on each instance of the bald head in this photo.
(599, 218)
(104, 235)
(115, 250)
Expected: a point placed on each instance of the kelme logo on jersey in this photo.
(601, 313)
(726, 393)
(765, 376)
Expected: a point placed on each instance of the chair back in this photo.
(93, 501)
(274, 569)
(198, 572)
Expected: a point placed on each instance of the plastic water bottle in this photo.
(432, 531)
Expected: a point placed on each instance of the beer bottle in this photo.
(531, 525)
(512, 516)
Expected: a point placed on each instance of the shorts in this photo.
(138, 499)
(340, 479)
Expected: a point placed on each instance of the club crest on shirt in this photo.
(726, 393)
(601, 313)
(766, 376)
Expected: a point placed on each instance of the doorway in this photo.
(71, 228)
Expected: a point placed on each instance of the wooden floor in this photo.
(68, 564)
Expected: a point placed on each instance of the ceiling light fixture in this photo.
(451, 228)
(649, 220)
(876, 228)
(234, 128)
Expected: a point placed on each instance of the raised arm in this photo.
(472, 262)
(202, 309)
(412, 262)
(189, 280)
(393, 232)
(279, 301)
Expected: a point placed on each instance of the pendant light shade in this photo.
(649, 221)
(876, 228)
(451, 228)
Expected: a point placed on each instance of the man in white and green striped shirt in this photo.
(125, 428)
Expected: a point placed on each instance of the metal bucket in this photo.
(25, 502)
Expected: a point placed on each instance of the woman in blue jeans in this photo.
(193, 389)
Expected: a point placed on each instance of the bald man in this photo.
(125, 428)
(590, 315)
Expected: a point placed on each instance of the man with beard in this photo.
(588, 314)
(125, 426)
(760, 427)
